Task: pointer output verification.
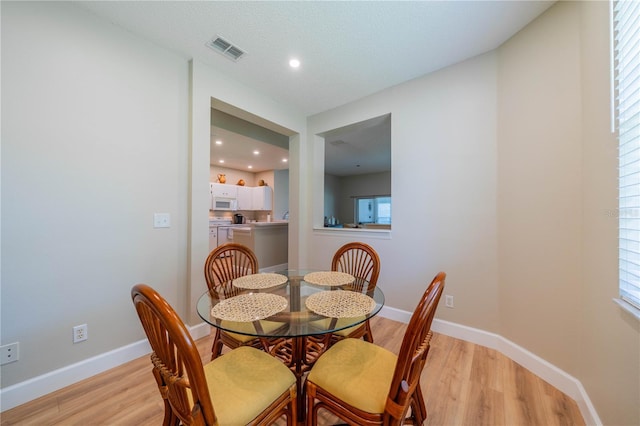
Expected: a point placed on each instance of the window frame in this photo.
(625, 66)
(375, 199)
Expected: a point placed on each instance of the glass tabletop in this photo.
(290, 303)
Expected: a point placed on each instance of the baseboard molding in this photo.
(26, 391)
(275, 268)
(395, 314)
(538, 366)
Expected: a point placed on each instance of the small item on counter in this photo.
(241, 182)
(261, 183)
(222, 178)
(268, 218)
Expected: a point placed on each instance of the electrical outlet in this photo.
(161, 220)
(80, 333)
(448, 301)
(9, 353)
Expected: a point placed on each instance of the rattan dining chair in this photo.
(361, 261)
(365, 384)
(246, 385)
(225, 263)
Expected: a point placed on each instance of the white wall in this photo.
(557, 186)
(280, 193)
(94, 141)
(443, 132)
(371, 184)
(540, 186)
(210, 86)
(232, 176)
(331, 195)
(610, 339)
(510, 159)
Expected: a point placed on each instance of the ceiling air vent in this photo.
(225, 48)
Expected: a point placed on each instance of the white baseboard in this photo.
(275, 268)
(395, 314)
(23, 392)
(538, 366)
(26, 391)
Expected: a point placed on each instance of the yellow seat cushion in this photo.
(244, 382)
(267, 326)
(357, 372)
(347, 331)
(325, 324)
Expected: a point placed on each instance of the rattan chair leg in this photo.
(368, 335)
(419, 408)
(216, 347)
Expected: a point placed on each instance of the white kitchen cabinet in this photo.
(245, 198)
(221, 190)
(262, 198)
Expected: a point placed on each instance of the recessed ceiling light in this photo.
(250, 167)
(284, 160)
(256, 152)
(294, 63)
(220, 161)
(218, 142)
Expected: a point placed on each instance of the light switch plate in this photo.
(161, 220)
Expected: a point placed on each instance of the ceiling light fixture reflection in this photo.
(256, 152)
(294, 63)
(250, 167)
(284, 160)
(218, 142)
(220, 161)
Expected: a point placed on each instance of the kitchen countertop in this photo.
(277, 222)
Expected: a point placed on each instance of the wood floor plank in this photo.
(485, 369)
(448, 389)
(523, 400)
(559, 408)
(484, 406)
(463, 384)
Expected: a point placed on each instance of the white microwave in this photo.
(220, 203)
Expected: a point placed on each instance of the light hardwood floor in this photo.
(463, 384)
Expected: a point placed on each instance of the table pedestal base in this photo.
(299, 354)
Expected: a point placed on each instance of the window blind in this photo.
(626, 41)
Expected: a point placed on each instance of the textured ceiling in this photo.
(348, 49)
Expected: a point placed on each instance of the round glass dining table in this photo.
(297, 309)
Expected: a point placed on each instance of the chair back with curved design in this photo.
(384, 389)
(177, 365)
(405, 386)
(361, 261)
(227, 262)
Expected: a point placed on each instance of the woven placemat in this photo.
(258, 281)
(329, 278)
(249, 307)
(340, 304)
